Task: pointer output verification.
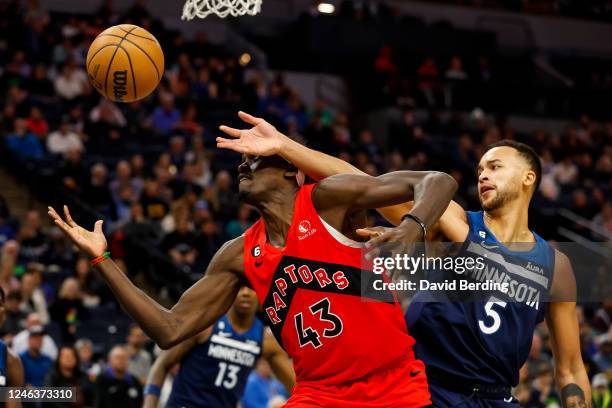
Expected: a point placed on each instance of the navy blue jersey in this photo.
(214, 373)
(485, 341)
(3, 365)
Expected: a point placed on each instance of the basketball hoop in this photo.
(222, 8)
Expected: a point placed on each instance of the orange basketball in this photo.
(125, 63)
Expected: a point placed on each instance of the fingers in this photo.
(57, 219)
(98, 227)
(380, 239)
(230, 131)
(232, 145)
(370, 232)
(69, 219)
(250, 119)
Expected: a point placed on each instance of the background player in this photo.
(11, 369)
(471, 345)
(216, 363)
(334, 360)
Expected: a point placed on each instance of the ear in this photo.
(291, 172)
(530, 178)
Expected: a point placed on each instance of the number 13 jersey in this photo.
(311, 294)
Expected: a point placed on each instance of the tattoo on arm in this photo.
(572, 396)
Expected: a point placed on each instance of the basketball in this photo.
(125, 63)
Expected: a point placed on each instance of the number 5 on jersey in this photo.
(309, 335)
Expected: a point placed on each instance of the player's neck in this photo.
(277, 213)
(510, 223)
(240, 323)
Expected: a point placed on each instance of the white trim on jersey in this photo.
(251, 348)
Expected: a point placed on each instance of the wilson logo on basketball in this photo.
(119, 83)
(305, 229)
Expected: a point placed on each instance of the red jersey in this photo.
(311, 293)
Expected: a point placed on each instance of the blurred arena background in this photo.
(385, 85)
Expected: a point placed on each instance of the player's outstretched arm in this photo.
(162, 366)
(570, 374)
(431, 191)
(278, 360)
(199, 307)
(263, 139)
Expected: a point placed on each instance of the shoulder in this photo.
(454, 223)
(563, 286)
(230, 255)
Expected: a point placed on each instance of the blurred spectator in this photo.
(72, 170)
(63, 139)
(602, 397)
(536, 358)
(68, 310)
(36, 365)
(138, 228)
(155, 207)
(33, 298)
(14, 317)
(60, 254)
(92, 288)
(140, 359)
(603, 358)
(188, 123)
(604, 217)
(238, 226)
(181, 236)
(543, 392)
(261, 387)
(384, 61)
(67, 373)
(97, 191)
(208, 240)
(87, 364)
(7, 119)
(20, 341)
(115, 386)
(23, 142)
(123, 178)
(165, 117)
(107, 113)
(37, 124)
(8, 261)
(177, 151)
(455, 70)
(72, 81)
(565, 172)
(223, 197)
(40, 84)
(34, 241)
(429, 84)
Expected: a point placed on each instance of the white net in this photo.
(222, 8)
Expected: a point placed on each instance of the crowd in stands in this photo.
(595, 10)
(151, 171)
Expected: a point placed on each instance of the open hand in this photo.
(92, 243)
(261, 140)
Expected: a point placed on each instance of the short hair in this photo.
(527, 153)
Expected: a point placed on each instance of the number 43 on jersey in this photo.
(312, 336)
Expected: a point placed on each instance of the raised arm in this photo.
(562, 321)
(199, 307)
(263, 139)
(339, 195)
